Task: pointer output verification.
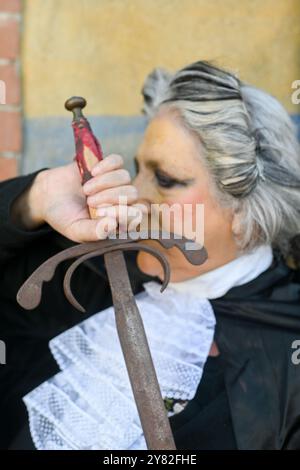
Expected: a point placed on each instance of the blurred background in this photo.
(104, 49)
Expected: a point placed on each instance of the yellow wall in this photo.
(103, 49)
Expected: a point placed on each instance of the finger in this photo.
(83, 230)
(126, 194)
(107, 180)
(122, 213)
(104, 210)
(144, 208)
(109, 163)
(106, 227)
(127, 218)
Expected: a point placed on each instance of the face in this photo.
(170, 170)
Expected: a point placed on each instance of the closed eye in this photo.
(163, 179)
(166, 181)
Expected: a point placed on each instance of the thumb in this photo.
(90, 230)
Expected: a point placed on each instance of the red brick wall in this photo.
(10, 112)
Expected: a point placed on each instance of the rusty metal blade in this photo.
(142, 375)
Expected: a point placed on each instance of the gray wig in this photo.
(249, 142)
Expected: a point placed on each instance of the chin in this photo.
(149, 265)
(152, 267)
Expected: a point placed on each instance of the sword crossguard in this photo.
(30, 293)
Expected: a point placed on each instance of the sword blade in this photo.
(137, 355)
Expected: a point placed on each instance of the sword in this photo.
(142, 375)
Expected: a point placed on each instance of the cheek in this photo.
(188, 217)
(186, 196)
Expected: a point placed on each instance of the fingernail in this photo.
(87, 187)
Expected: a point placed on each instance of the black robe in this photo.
(257, 324)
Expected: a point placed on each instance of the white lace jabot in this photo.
(89, 404)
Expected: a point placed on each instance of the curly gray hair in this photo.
(250, 145)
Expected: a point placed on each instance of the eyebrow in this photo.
(153, 165)
(150, 164)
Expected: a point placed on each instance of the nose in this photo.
(144, 190)
(142, 200)
(137, 181)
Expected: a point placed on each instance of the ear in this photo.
(236, 225)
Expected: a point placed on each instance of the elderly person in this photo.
(222, 334)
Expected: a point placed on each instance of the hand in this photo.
(57, 198)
